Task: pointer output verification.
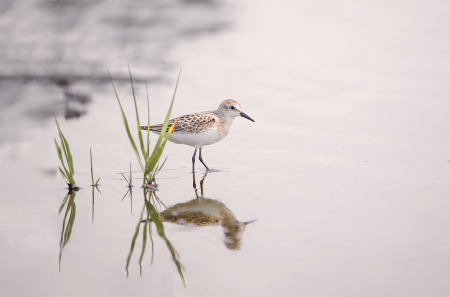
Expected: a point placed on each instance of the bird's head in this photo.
(234, 231)
(232, 109)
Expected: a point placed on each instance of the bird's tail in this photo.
(150, 128)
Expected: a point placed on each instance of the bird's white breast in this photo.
(206, 137)
(199, 139)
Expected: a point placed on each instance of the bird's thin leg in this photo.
(193, 160)
(201, 160)
(202, 181)
(194, 184)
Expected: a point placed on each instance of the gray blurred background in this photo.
(53, 54)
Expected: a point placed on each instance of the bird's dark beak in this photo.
(246, 116)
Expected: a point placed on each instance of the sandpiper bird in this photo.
(203, 128)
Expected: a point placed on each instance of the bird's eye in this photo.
(232, 107)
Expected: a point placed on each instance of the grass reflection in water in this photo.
(198, 212)
(152, 216)
(69, 202)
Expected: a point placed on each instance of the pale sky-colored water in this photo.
(345, 169)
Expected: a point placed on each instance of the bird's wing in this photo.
(157, 128)
(194, 122)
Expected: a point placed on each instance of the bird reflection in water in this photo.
(204, 212)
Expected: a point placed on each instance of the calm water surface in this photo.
(346, 169)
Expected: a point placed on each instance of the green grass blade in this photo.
(64, 149)
(131, 176)
(165, 125)
(125, 179)
(68, 178)
(68, 159)
(159, 169)
(158, 151)
(64, 176)
(92, 170)
(58, 149)
(127, 128)
(151, 161)
(147, 154)
(141, 141)
(64, 144)
(68, 153)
